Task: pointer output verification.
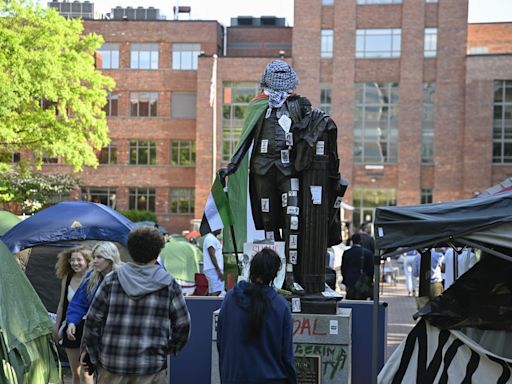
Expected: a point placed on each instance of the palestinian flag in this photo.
(217, 213)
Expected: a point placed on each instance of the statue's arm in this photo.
(237, 157)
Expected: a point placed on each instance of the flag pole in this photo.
(231, 228)
(213, 105)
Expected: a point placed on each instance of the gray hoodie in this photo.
(138, 281)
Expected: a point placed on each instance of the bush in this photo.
(135, 215)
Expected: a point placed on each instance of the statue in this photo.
(294, 182)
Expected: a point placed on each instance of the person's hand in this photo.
(220, 274)
(71, 331)
(86, 363)
(223, 172)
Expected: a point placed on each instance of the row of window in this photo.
(145, 104)
(375, 124)
(181, 200)
(378, 43)
(364, 2)
(145, 56)
(143, 152)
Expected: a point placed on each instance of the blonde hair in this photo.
(63, 266)
(109, 251)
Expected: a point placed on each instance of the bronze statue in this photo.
(294, 179)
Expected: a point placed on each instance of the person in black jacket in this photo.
(353, 259)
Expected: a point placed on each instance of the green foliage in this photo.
(33, 190)
(45, 57)
(135, 215)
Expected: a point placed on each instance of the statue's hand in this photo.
(226, 171)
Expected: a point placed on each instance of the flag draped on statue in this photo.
(217, 213)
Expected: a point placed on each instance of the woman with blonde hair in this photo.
(71, 266)
(106, 258)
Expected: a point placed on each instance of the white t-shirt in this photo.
(211, 241)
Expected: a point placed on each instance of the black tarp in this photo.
(485, 219)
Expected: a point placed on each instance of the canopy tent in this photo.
(7, 221)
(181, 259)
(150, 224)
(484, 222)
(25, 329)
(66, 221)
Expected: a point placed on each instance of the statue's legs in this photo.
(278, 198)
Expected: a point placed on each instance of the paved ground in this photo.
(400, 311)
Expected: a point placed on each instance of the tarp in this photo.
(25, 329)
(69, 220)
(486, 219)
(181, 259)
(7, 221)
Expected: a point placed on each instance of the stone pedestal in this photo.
(322, 345)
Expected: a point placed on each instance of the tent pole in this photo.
(375, 315)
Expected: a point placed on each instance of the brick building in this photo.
(408, 82)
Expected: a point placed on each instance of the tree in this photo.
(31, 191)
(51, 96)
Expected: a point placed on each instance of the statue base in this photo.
(314, 303)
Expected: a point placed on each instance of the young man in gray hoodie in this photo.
(137, 317)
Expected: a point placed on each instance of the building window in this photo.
(108, 155)
(236, 99)
(141, 199)
(181, 200)
(327, 2)
(184, 56)
(107, 57)
(325, 98)
(361, 2)
(366, 200)
(112, 103)
(183, 153)
(144, 56)
(430, 44)
(48, 159)
(426, 196)
(502, 122)
(376, 118)
(105, 196)
(12, 157)
(427, 123)
(378, 43)
(326, 43)
(143, 104)
(142, 152)
(183, 105)
(431, 1)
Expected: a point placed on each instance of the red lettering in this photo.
(315, 332)
(296, 326)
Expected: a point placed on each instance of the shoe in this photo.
(414, 292)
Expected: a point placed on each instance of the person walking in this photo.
(71, 267)
(254, 329)
(356, 261)
(213, 263)
(137, 318)
(410, 280)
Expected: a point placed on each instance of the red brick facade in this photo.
(462, 163)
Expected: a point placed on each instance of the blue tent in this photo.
(67, 221)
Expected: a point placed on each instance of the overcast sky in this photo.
(223, 10)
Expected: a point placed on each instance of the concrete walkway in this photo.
(400, 310)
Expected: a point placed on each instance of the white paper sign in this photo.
(320, 148)
(285, 122)
(293, 241)
(264, 146)
(285, 156)
(250, 249)
(316, 194)
(296, 304)
(333, 327)
(284, 200)
(265, 205)
(294, 223)
(337, 203)
(292, 210)
(293, 257)
(294, 184)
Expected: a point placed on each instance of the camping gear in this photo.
(25, 329)
(484, 222)
(69, 220)
(7, 221)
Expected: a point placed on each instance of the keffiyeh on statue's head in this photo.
(278, 81)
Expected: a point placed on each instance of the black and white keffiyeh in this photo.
(278, 81)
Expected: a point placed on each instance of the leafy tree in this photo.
(31, 191)
(51, 96)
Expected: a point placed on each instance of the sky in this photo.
(223, 10)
